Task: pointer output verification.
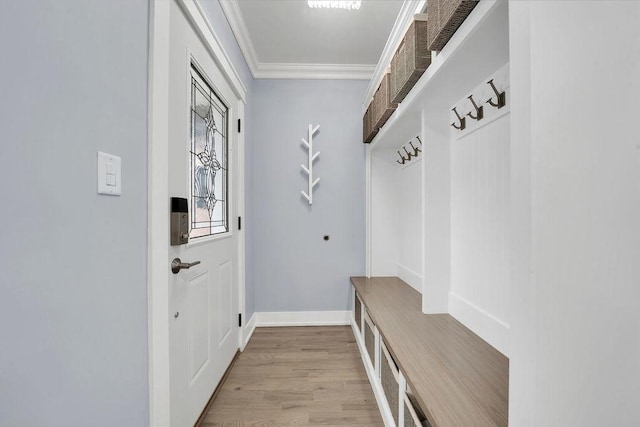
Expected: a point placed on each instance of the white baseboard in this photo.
(378, 392)
(489, 328)
(248, 330)
(411, 277)
(302, 318)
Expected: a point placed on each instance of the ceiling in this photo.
(288, 39)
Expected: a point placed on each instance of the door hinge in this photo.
(239, 319)
(239, 223)
(239, 125)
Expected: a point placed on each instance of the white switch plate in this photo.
(109, 171)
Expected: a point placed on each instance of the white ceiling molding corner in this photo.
(232, 11)
(265, 70)
(403, 21)
(314, 71)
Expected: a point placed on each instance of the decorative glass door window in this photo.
(209, 160)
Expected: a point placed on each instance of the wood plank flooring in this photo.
(297, 376)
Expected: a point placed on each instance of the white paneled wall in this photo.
(396, 218)
(576, 152)
(437, 215)
(409, 193)
(384, 214)
(442, 224)
(480, 257)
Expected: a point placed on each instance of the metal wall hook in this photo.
(402, 160)
(462, 120)
(407, 156)
(479, 110)
(500, 96)
(416, 150)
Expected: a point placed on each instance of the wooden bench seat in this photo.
(457, 378)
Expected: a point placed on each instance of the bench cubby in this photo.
(426, 369)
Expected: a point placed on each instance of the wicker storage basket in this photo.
(413, 416)
(389, 377)
(410, 60)
(370, 338)
(445, 17)
(383, 105)
(358, 312)
(369, 131)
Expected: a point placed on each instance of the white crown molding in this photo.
(233, 13)
(268, 70)
(314, 71)
(404, 19)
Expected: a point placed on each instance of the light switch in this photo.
(109, 171)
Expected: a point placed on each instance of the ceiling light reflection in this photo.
(335, 4)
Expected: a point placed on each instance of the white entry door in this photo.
(203, 168)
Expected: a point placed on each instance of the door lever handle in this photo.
(177, 265)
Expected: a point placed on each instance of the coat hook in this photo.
(501, 96)
(479, 113)
(402, 158)
(416, 150)
(462, 120)
(409, 155)
(419, 140)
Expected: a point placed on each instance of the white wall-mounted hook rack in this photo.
(309, 169)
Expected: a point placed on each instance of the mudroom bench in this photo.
(426, 369)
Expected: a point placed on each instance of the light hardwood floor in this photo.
(297, 376)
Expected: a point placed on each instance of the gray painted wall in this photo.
(224, 33)
(270, 105)
(73, 319)
(294, 268)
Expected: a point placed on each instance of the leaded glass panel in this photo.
(209, 160)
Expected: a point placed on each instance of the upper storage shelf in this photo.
(478, 48)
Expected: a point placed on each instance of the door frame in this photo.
(158, 192)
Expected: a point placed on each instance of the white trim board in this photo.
(158, 224)
(268, 70)
(293, 318)
(199, 20)
(247, 331)
(411, 277)
(313, 71)
(489, 328)
(302, 318)
(232, 11)
(368, 214)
